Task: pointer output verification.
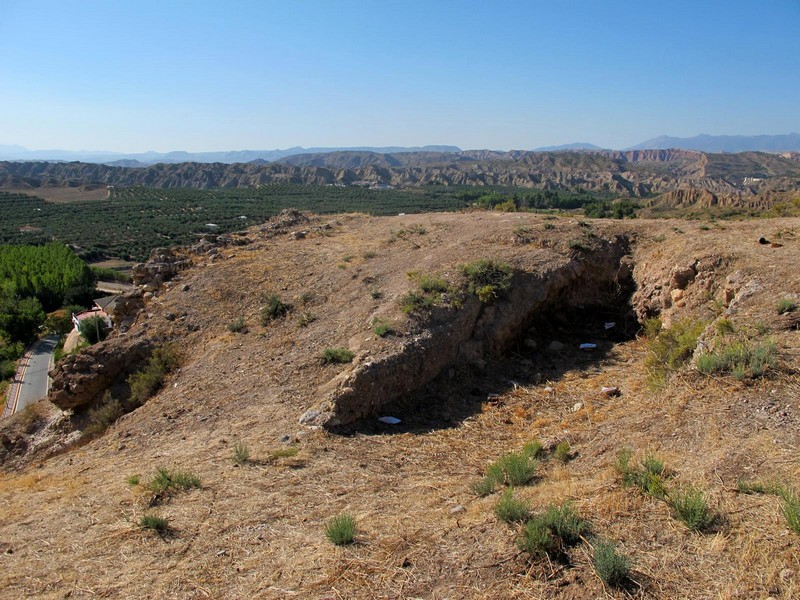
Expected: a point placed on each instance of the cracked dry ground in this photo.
(68, 523)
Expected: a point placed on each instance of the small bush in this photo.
(485, 486)
(381, 328)
(510, 509)
(533, 449)
(652, 327)
(237, 325)
(133, 480)
(691, 507)
(166, 481)
(649, 477)
(155, 523)
(305, 319)
(757, 487)
(288, 452)
(241, 453)
(724, 326)
(94, 329)
(549, 226)
(341, 530)
(517, 467)
(274, 309)
(578, 246)
(611, 566)
(369, 254)
(146, 382)
(376, 294)
(337, 356)
(557, 528)
(786, 305)
(537, 540)
(563, 452)
(740, 359)
(487, 279)
(671, 348)
(103, 416)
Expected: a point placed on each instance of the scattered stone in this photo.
(285, 439)
(529, 343)
(310, 417)
(298, 235)
(577, 406)
(170, 316)
(555, 346)
(185, 287)
(611, 391)
(457, 509)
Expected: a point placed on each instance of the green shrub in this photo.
(537, 540)
(341, 530)
(649, 477)
(757, 487)
(487, 279)
(237, 326)
(94, 329)
(652, 327)
(155, 523)
(740, 359)
(563, 452)
(433, 283)
(485, 486)
(549, 533)
(288, 452)
(337, 356)
(133, 480)
(549, 226)
(786, 305)
(376, 294)
(532, 449)
(104, 414)
(145, 383)
(611, 566)
(381, 328)
(671, 348)
(578, 246)
(691, 507)
(273, 309)
(304, 319)
(515, 468)
(241, 453)
(510, 509)
(724, 326)
(166, 481)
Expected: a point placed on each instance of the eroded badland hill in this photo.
(474, 372)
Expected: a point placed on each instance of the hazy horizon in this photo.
(206, 77)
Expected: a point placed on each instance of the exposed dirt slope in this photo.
(69, 522)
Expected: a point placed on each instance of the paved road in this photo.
(32, 381)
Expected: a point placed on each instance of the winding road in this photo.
(32, 382)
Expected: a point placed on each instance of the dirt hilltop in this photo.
(470, 378)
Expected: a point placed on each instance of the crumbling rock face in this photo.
(81, 378)
(162, 265)
(127, 308)
(465, 335)
(661, 287)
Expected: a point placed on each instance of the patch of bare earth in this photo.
(69, 523)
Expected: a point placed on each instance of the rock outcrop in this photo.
(80, 379)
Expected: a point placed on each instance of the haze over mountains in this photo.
(702, 143)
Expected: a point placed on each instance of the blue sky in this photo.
(140, 75)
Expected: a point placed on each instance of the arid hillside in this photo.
(747, 179)
(483, 333)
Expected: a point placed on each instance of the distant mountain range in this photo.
(142, 159)
(789, 142)
(702, 143)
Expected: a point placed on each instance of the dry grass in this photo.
(72, 525)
